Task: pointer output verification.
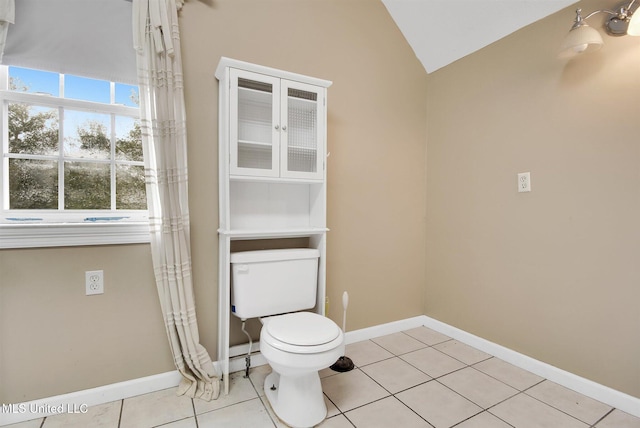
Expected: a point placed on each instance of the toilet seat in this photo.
(301, 333)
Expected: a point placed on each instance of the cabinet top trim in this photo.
(234, 63)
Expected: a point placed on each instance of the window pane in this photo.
(82, 88)
(82, 158)
(130, 188)
(127, 95)
(87, 185)
(128, 139)
(87, 135)
(32, 129)
(34, 81)
(33, 184)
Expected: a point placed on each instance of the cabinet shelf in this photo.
(257, 94)
(311, 103)
(255, 143)
(272, 233)
(302, 148)
(256, 179)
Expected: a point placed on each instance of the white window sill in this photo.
(68, 234)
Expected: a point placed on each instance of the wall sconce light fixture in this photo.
(584, 39)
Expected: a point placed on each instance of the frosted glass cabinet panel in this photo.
(255, 111)
(302, 150)
(276, 127)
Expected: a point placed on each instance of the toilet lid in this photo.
(302, 329)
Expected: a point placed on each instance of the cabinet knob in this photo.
(284, 127)
(277, 127)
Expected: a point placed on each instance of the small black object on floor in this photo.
(344, 364)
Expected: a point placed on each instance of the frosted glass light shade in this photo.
(582, 39)
(634, 24)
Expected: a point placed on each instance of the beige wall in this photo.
(376, 199)
(54, 339)
(553, 273)
(376, 135)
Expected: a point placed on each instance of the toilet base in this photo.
(297, 400)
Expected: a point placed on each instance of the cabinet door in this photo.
(254, 126)
(302, 136)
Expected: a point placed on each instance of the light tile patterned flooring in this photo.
(414, 379)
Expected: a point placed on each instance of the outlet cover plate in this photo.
(94, 282)
(524, 182)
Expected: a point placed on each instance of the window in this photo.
(72, 164)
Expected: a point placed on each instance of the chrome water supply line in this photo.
(247, 359)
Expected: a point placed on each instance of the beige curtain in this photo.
(157, 42)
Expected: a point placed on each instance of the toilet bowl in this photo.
(296, 346)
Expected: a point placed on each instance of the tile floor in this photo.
(416, 378)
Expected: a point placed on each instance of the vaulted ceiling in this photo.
(443, 31)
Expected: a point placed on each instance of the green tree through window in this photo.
(35, 161)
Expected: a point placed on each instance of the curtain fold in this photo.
(163, 123)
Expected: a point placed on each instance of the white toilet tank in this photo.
(270, 282)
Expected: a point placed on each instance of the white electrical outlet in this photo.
(94, 282)
(524, 182)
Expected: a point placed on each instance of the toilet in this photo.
(279, 287)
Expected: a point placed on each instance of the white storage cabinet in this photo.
(272, 169)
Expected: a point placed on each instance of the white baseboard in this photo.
(122, 390)
(383, 329)
(610, 396)
(78, 401)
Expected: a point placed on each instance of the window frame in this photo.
(50, 228)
